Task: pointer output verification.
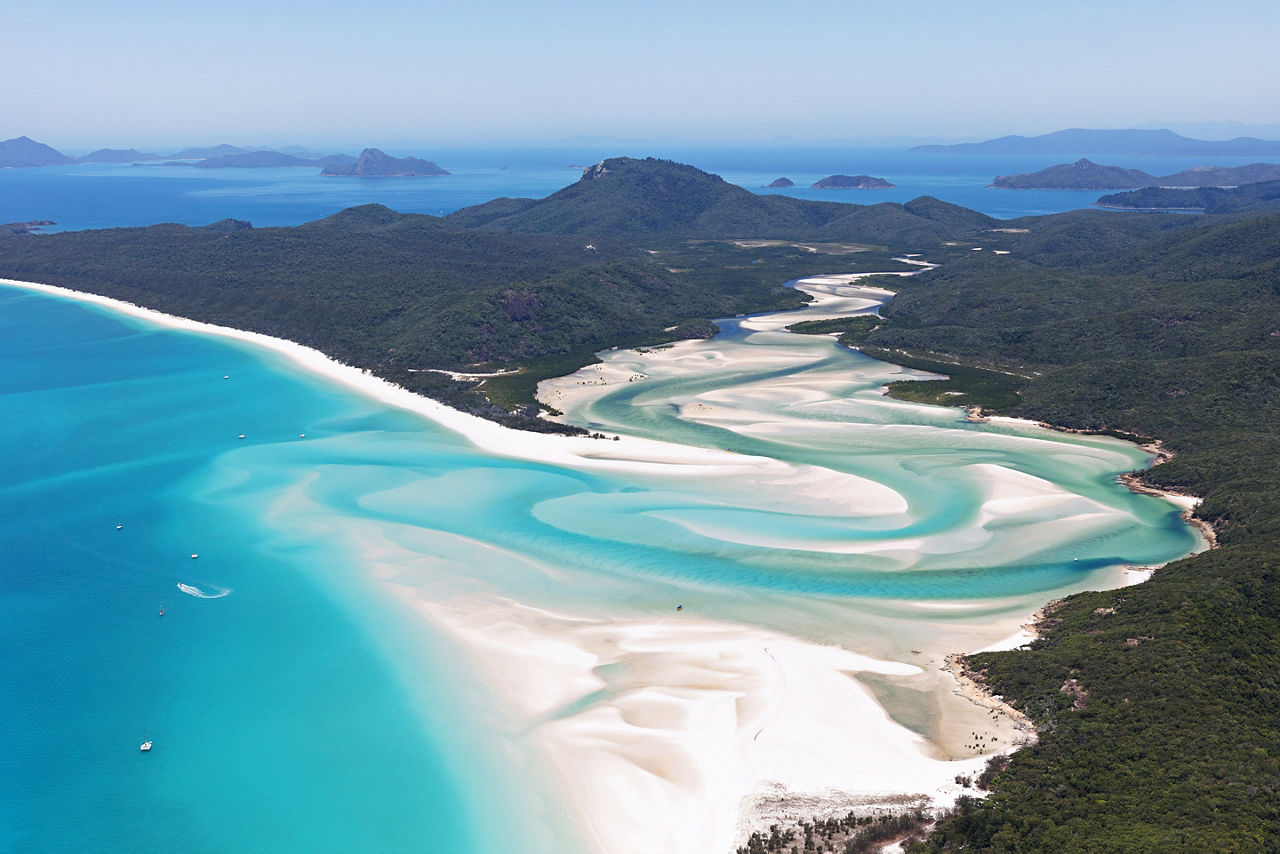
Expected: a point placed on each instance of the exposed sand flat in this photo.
(668, 732)
(663, 731)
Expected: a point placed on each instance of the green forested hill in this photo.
(1260, 195)
(651, 199)
(1084, 174)
(1163, 330)
(397, 293)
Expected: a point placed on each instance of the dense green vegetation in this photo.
(1263, 195)
(1159, 705)
(852, 834)
(1084, 174)
(647, 199)
(394, 294)
(403, 294)
(965, 384)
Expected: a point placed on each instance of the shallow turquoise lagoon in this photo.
(294, 700)
(279, 719)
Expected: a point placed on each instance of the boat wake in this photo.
(192, 590)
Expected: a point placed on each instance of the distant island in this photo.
(24, 151)
(268, 159)
(119, 155)
(851, 182)
(1264, 195)
(1133, 142)
(782, 182)
(373, 163)
(223, 150)
(1084, 174)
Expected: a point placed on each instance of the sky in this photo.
(137, 72)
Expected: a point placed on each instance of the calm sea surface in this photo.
(104, 196)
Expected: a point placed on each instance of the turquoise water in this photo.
(278, 720)
(297, 700)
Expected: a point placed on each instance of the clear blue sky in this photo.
(134, 72)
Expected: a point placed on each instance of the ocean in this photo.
(295, 533)
(108, 196)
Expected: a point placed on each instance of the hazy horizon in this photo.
(501, 73)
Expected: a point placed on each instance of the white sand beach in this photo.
(679, 733)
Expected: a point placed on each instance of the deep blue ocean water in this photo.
(104, 196)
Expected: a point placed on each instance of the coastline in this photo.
(737, 739)
(569, 393)
(737, 749)
(1130, 480)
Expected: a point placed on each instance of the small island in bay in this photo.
(373, 163)
(781, 182)
(852, 182)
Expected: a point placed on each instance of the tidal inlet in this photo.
(734, 607)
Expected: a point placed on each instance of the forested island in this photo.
(1157, 706)
(851, 182)
(373, 163)
(1084, 174)
(1264, 195)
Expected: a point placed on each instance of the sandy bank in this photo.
(676, 733)
(694, 720)
(682, 734)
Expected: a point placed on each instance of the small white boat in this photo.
(146, 745)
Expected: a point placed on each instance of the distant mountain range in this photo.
(23, 152)
(1082, 141)
(1084, 174)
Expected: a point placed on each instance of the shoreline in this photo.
(748, 775)
(737, 739)
(780, 805)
